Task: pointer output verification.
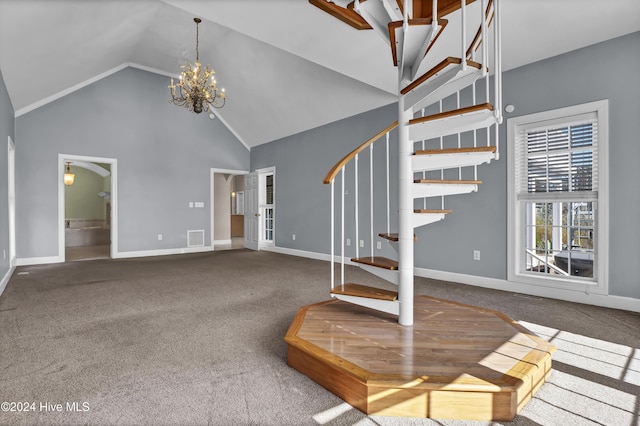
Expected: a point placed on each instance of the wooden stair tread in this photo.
(456, 150)
(393, 236)
(359, 290)
(449, 182)
(379, 261)
(456, 112)
(432, 211)
(346, 15)
(437, 69)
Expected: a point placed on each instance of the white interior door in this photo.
(252, 211)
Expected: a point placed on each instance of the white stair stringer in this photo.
(411, 46)
(386, 274)
(421, 219)
(393, 10)
(441, 86)
(375, 14)
(425, 190)
(442, 161)
(388, 306)
(451, 124)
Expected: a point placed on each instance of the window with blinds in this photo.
(556, 179)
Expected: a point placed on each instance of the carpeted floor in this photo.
(198, 339)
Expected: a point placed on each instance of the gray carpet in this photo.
(198, 339)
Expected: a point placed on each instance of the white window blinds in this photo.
(558, 157)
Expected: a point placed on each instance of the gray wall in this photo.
(479, 221)
(164, 156)
(6, 129)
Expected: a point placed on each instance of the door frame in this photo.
(212, 201)
(11, 195)
(262, 173)
(113, 230)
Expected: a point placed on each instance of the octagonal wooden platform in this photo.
(457, 361)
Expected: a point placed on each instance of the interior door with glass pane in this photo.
(267, 208)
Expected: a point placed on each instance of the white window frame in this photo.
(515, 220)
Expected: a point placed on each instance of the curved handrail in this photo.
(340, 164)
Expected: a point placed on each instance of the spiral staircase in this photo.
(448, 114)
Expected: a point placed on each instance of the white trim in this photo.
(76, 87)
(6, 278)
(62, 158)
(231, 129)
(607, 301)
(152, 70)
(222, 243)
(301, 253)
(69, 90)
(262, 173)
(514, 219)
(27, 261)
(11, 199)
(162, 252)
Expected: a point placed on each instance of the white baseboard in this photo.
(299, 253)
(607, 301)
(222, 242)
(27, 261)
(5, 279)
(163, 252)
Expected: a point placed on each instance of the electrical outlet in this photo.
(379, 245)
(348, 241)
(159, 237)
(293, 237)
(476, 255)
(361, 243)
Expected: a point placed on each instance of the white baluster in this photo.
(356, 201)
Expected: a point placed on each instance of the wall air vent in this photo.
(195, 238)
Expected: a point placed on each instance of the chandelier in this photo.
(197, 90)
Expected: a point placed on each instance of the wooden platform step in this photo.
(378, 261)
(456, 361)
(359, 290)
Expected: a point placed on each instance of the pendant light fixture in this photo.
(69, 177)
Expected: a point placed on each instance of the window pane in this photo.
(560, 238)
(269, 189)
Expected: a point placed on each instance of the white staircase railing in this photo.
(439, 148)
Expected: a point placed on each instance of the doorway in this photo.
(87, 208)
(227, 209)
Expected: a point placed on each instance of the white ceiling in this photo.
(286, 65)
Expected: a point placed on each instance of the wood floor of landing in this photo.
(456, 361)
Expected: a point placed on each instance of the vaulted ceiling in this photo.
(286, 65)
